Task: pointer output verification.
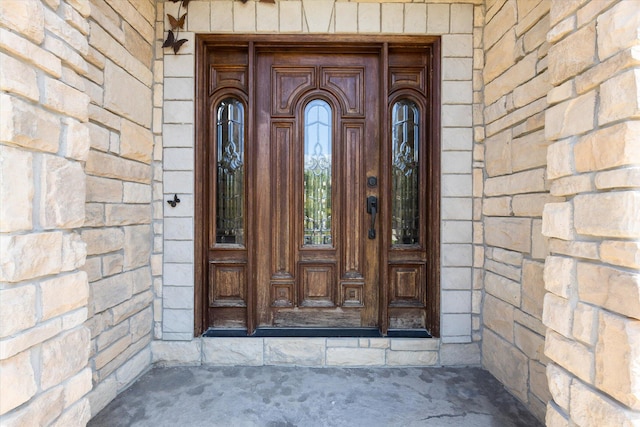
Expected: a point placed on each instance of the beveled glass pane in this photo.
(405, 214)
(230, 172)
(317, 173)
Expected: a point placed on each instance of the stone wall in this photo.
(118, 229)
(44, 295)
(592, 305)
(75, 210)
(516, 82)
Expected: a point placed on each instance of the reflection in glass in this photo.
(317, 173)
(405, 215)
(230, 179)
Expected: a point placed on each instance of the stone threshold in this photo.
(296, 351)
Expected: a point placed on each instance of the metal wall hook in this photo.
(174, 202)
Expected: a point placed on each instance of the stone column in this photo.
(592, 278)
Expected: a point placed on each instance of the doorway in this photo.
(317, 182)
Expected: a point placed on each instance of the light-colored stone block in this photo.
(63, 294)
(618, 145)
(18, 372)
(244, 17)
(619, 97)
(16, 189)
(412, 358)
(522, 182)
(346, 17)
(17, 309)
(437, 18)
(571, 355)
(176, 352)
(124, 94)
(28, 126)
(456, 68)
(505, 362)
(317, 14)
(461, 18)
(64, 356)
(460, 354)
(414, 344)
(109, 166)
(620, 178)
(455, 302)
(77, 387)
(63, 185)
(572, 117)
(558, 314)
(266, 17)
(591, 408)
(392, 15)
(507, 290)
(559, 382)
(560, 276)
(415, 18)
(618, 28)
(221, 16)
(625, 254)
(296, 352)
(177, 321)
(558, 221)
(355, 356)
(618, 357)
(198, 16)
(616, 290)
(27, 256)
(232, 351)
(137, 247)
(26, 17)
(572, 55)
(456, 325)
(498, 316)
(17, 77)
(608, 214)
(133, 368)
(368, 18)
(508, 233)
(498, 23)
(290, 16)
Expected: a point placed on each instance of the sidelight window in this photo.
(230, 172)
(317, 173)
(405, 214)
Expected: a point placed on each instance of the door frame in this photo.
(204, 42)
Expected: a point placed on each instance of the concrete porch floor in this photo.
(297, 396)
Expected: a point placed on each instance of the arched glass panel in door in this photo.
(230, 192)
(317, 173)
(405, 213)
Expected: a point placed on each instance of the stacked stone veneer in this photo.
(44, 343)
(75, 209)
(118, 230)
(459, 24)
(515, 192)
(592, 277)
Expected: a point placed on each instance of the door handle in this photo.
(372, 208)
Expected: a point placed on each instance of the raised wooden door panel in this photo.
(315, 278)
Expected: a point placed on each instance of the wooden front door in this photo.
(317, 120)
(318, 184)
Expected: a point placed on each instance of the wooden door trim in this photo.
(201, 191)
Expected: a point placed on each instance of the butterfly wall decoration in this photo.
(173, 40)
